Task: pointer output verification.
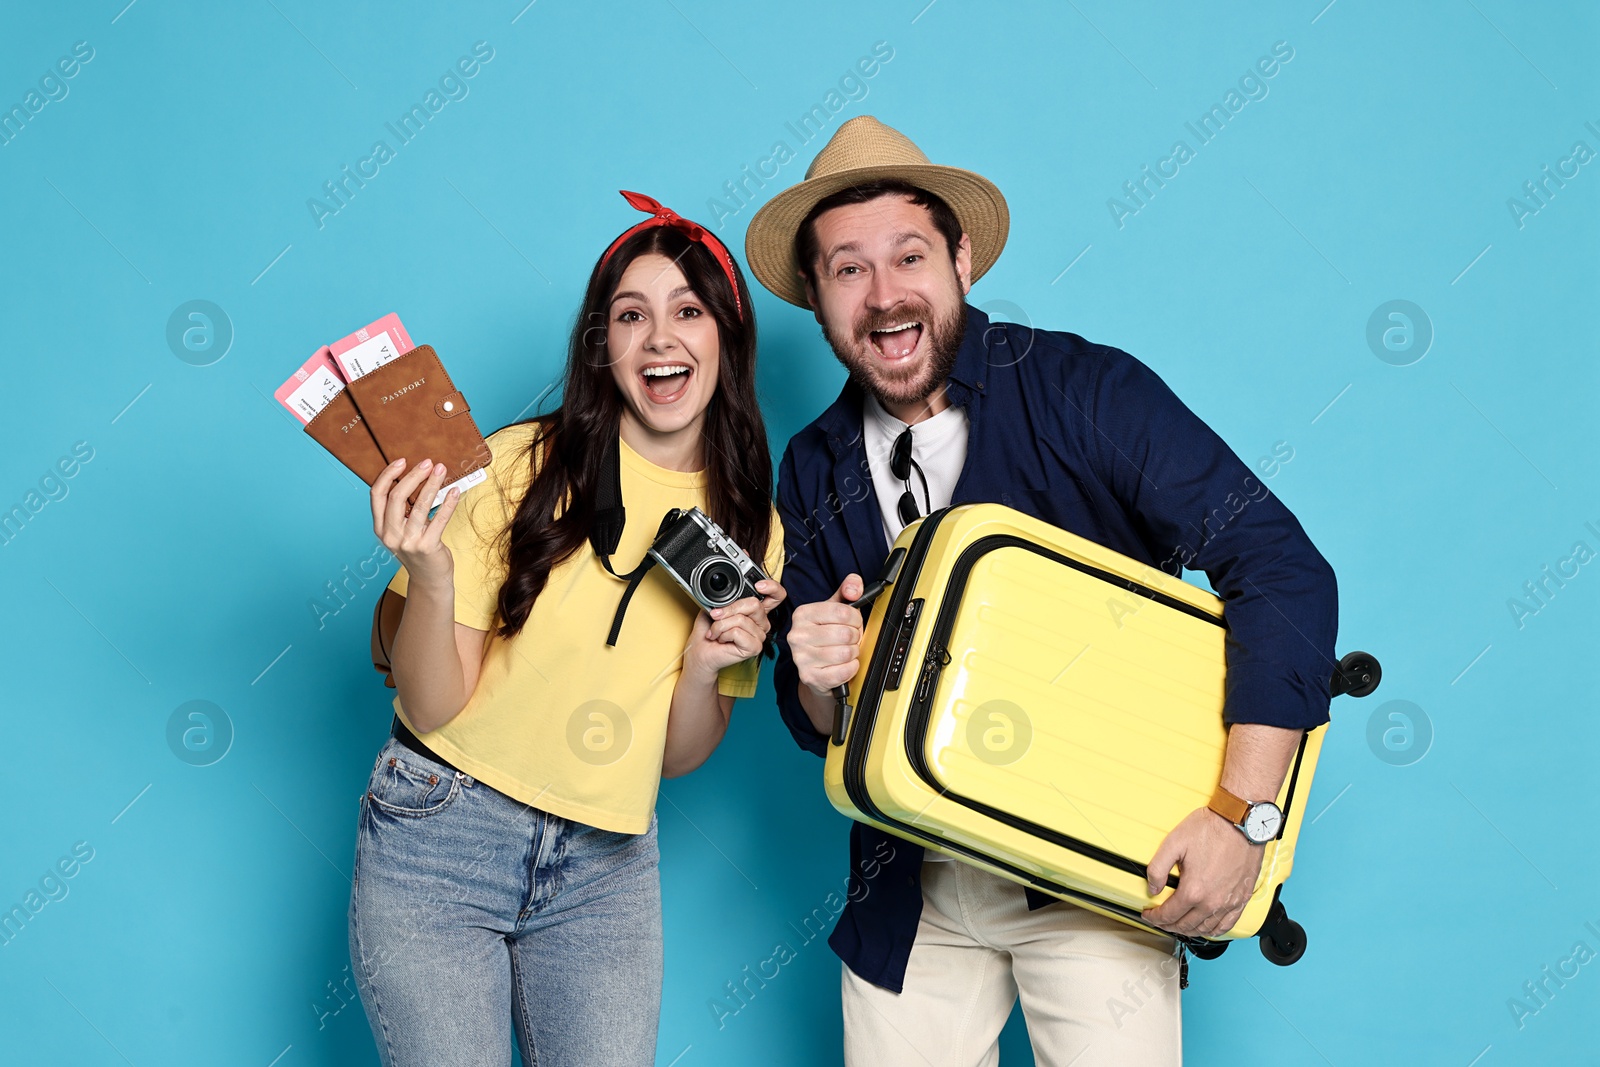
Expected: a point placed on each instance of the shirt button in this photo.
(980, 385)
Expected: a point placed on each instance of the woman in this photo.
(506, 861)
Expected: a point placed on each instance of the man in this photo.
(944, 406)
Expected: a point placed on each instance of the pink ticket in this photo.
(312, 387)
(371, 347)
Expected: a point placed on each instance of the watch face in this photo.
(1262, 822)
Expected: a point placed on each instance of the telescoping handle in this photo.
(841, 692)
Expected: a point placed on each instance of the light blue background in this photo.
(210, 924)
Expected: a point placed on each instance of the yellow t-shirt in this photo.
(558, 719)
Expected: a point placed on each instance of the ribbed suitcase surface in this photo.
(1046, 708)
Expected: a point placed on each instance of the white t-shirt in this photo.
(938, 444)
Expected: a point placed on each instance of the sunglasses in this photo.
(900, 465)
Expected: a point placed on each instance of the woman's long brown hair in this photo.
(738, 464)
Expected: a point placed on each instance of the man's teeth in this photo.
(655, 372)
(897, 329)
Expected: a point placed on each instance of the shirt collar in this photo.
(841, 422)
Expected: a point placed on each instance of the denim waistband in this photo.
(403, 734)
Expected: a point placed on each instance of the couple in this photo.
(506, 855)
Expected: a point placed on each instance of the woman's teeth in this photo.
(665, 380)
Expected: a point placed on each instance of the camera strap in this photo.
(606, 532)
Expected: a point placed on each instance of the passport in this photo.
(373, 397)
(414, 411)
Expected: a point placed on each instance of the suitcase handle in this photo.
(841, 712)
(841, 692)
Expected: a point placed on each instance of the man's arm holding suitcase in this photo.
(1175, 477)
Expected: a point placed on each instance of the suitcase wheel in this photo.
(1206, 950)
(1283, 941)
(1358, 674)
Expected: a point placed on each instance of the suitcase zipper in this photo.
(866, 709)
(937, 658)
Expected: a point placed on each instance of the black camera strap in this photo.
(605, 534)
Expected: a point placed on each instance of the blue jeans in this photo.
(469, 907)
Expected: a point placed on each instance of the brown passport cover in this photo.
(340, 429)
(413, 410)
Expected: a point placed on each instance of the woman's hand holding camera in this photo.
(728, 635)
(414, 538)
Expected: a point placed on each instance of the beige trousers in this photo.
(1095, 992)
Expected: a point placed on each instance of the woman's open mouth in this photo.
(897, 343)
(665, 383)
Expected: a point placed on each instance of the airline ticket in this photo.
(312, 387)
(371, 347)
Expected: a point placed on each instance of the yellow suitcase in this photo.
(1048, 709)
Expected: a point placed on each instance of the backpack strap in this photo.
(605, 533)
(385, 621)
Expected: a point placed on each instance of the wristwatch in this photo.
(1259, 821)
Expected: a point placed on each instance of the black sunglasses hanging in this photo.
(900, 465)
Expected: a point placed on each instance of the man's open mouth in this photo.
(897, 342)
(665, 382)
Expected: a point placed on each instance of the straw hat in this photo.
(865, 150)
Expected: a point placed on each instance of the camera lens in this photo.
(718, 582)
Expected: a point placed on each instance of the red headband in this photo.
(665, 216)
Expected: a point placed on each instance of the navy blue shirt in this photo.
(1087, 438)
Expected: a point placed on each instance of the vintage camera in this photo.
(704, 560)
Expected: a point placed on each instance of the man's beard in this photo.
(941, 340)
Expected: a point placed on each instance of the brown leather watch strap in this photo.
(1229, 806)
